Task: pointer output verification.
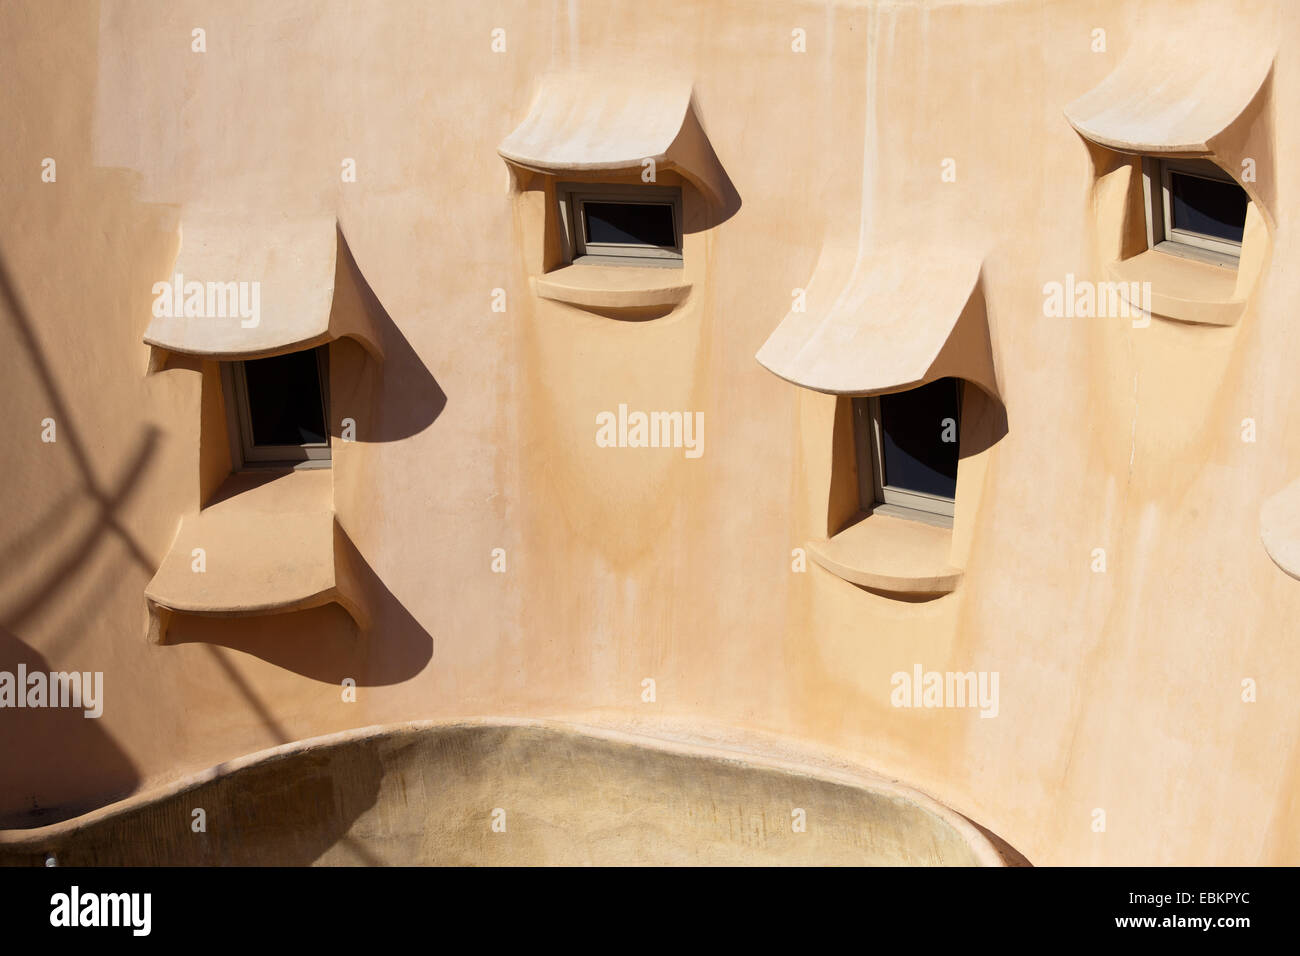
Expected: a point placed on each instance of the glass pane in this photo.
(284, 399)
(913, 427)
(1207, 206)
(647, 224)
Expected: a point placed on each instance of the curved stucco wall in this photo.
(511, 794)
(1120, 691)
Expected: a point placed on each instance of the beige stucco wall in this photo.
(1119, 691)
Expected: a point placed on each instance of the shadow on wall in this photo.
(728, 202)
(289, 813)
(75, 533)
(108, 500)
(323, 643)
(1010, 855)
(44, 560)
(397, 398)
(988, 423)
(84, 748)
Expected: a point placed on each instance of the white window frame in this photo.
(573, 196)
(1161, 234)
(244, 454)
(887, 499)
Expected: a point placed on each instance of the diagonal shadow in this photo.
(62, 413)
(107, 501)
(85, 751)
(403, 398)
(79, 553)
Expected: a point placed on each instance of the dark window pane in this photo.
(647, 224)
(284, 399)
(912, 431)
(1207, 206)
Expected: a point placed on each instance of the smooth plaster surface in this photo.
(1121, 689)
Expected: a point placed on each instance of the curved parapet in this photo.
(417, 794)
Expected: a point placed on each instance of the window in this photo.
(622, 225)
(907, 445)
(1195, 209)
(280, 408)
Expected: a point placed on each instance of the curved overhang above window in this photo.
(1166, 100)
(580, 123)
(891, 319)
(254, 287)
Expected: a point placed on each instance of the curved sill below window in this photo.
(891, 556)
(1182, 289)
(269, 546)
(614, 287)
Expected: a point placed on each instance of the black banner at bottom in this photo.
(332, 906)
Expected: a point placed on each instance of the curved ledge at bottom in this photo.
(892, 556)
(398, 794)
(161, 615)
(267, 547)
